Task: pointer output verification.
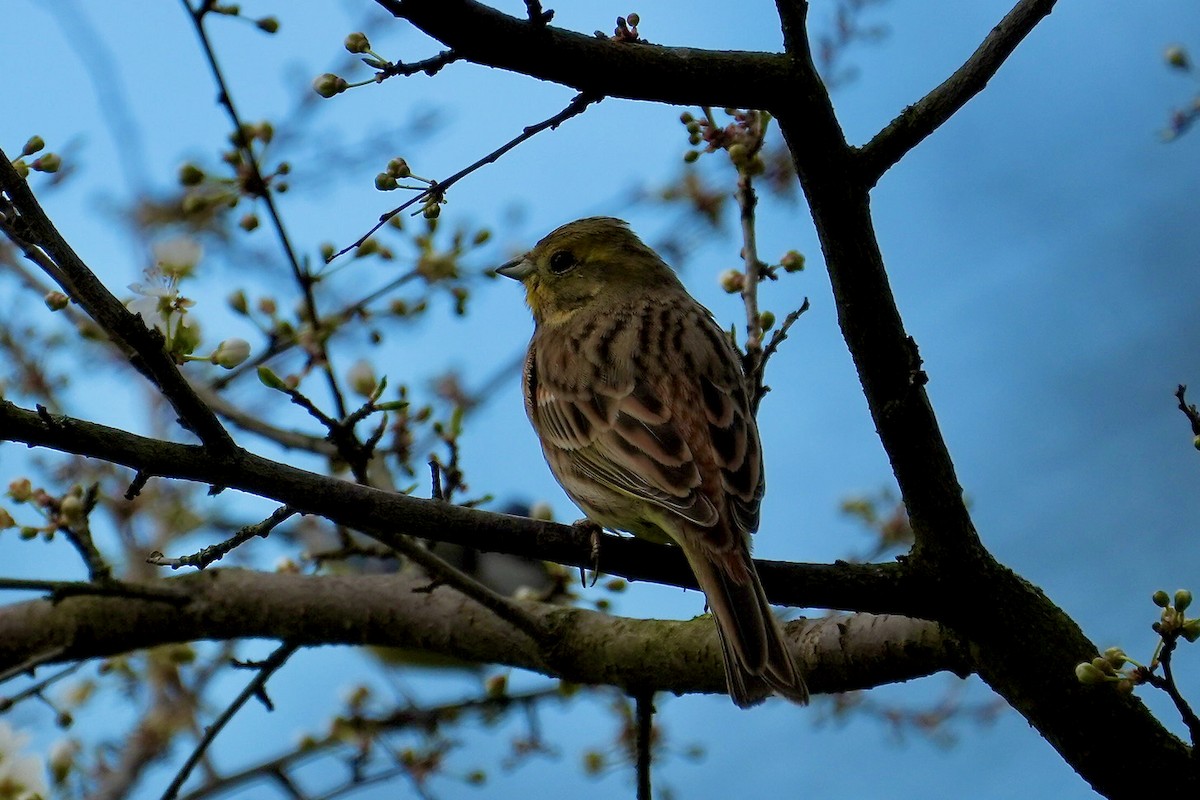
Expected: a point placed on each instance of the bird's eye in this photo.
(561, 262)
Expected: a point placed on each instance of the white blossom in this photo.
(22, 776)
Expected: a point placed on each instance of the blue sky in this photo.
(1042, 246)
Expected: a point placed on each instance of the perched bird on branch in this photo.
(642, 408)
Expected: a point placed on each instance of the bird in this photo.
(642, 408)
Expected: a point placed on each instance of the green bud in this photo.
(237, 301)
(477, 777)
(738, 153)
(634, 19)
(34, 144)
(28, 533)
(21, 490)
(248, 222)
(268, 24)
(56, 301)
(1183, 599)
(792, 261)
(1196, 443)
(398, 168)
(190, 175)
(385, 182)
(686, 117)
(327, 251)
(1125, 686)
(51, 162)
(270, 380)
(1161, 599)
(21, 167)
(1176, 56)
(1191, 630)
(361, 378)
(328, 85)
(690, 156)
(1087, 674)
(357, 43)
(593, 762)
(431, 211)
(766, 320)
(732, 281)
(1102, 664)
(1115, 656)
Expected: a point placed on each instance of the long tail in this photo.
(757, 661)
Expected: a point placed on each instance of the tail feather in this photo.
(757, 659)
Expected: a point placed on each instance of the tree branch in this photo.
(1026, 647)
(882, 588)
(840, 653)
(678, 75)
(928, 114)
(33, 231)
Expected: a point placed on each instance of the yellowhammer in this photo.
(641, 406)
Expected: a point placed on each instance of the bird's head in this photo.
(594, 260)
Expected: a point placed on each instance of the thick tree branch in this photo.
(882, 588)
(35, 232)
(839, 653)
(1025, 645)
(928, 114)
(678, 75)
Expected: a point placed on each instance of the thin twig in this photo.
(37, 688)
(437, 189)
(777, 338)
(59, 590)
(430, 66)
(1188, 410)
(79, 533)
(282, 345)
(261, 189)
(1168, 685)
(216, 552)
(33, 662)
(928, 114)
(256, 688)
(644, 711)
(446, 573)
(401, 719)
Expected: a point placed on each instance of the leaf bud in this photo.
(357, 42)
(328, 84)
(1183, 599)
(1087, 674)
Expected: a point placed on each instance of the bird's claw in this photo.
(595, 534)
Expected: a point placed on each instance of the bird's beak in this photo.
(518, 269)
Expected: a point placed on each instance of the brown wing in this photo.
(668, 423)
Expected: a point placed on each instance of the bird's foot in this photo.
(595, 533)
